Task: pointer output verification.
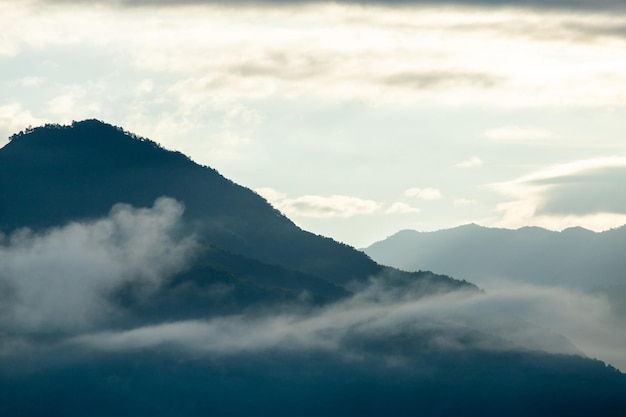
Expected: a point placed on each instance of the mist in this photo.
(512, 318)
(60, 279)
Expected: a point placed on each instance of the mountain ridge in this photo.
(569, 256)
(55, 174)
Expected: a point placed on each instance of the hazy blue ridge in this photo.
(575, 257)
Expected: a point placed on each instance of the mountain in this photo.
(315, 385)
(570, 281)
(54, 175)
(575, 257)
(134, 281)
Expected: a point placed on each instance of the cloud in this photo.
(599, 5)
(424, 193)
(316, 206)
(401, 208)
(586, 319)
(69, 106)
(14, 118)
(512, 317)
(373, 311)
(333, 206)
(470, 163)
(587, 193)
(519, 135)
(60, 279)
(270, 194)
(375, 54)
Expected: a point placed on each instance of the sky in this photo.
(356, 119)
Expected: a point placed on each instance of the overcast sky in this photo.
(356, 119)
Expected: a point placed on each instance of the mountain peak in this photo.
(55, 174)
(85, 126)
(91, 130)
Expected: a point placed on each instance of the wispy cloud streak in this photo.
(580, 193)
(500, 320)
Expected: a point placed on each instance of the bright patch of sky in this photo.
(355, 120)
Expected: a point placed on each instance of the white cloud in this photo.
(270, 194)
(470, 163)
(63, 104)
(59, 279)
(324, 207)
(401, 208)
(316, 206)
(518, 134)
(424, 193)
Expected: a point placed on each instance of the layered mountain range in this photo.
(575, 257)
(134, 281)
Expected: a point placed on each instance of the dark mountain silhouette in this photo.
(575, 257)
(54, 174)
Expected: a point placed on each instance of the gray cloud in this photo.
(496, 321)
(602, 191)
(441, 79)
(598, 30)
(542, 4)
(587, 193)
(59, 280)
(320, 206)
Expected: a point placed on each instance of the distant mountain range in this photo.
(136, 282)
(575, 257)
(588, 266)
